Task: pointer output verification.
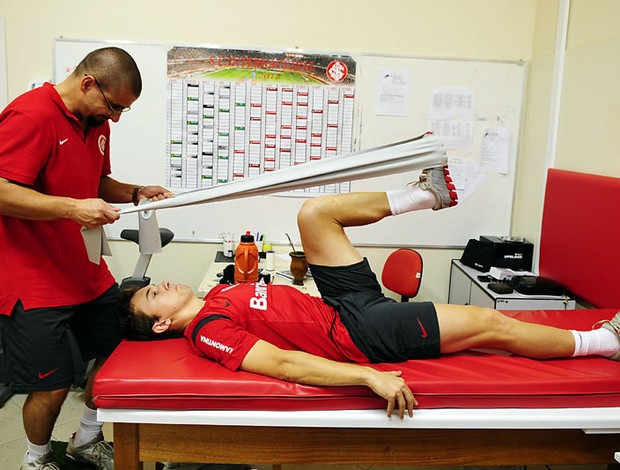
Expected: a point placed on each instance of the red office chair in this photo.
(402, 273)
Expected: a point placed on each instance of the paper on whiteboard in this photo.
(467, 176)
(495, 150)
(392, 92)
(451, 116)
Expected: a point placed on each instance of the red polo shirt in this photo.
(42, 146)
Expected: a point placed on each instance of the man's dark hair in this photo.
(135, 325)
(113, 67)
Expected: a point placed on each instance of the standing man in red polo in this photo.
(54, 180)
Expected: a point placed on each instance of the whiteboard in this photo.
(138, 151)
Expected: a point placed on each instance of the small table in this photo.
(467, 289)
(282, 263)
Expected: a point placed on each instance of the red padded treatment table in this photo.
(504, 410)
(167, 375)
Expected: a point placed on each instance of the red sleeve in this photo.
(25, 148)
(219, 338)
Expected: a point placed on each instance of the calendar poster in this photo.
(234, 114)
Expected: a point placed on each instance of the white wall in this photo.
(480, 29)
(588, 139)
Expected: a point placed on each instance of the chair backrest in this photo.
(402, 273)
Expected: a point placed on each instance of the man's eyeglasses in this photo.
(114, 109)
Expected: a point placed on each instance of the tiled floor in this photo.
(13, 441)
(13, 438)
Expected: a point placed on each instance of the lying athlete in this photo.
(277, 331)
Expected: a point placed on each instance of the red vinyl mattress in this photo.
(167, 375)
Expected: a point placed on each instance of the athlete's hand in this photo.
(93, 212)
(392, 387)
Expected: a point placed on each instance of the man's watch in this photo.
(135, 196)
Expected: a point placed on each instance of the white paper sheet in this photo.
(393, 92)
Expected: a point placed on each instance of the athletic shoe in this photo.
(99, 453)
(45, 462)
(612, 325)
(437, 180)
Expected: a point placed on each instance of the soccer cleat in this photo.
(437, 180)
(612, 325)
(45, 462)
(99, 453)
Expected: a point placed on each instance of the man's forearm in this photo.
(114, 191)
(26, 203)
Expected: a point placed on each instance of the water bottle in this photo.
(246, 260)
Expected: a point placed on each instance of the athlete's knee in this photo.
(490, 320)
(483, 320)
(312, 211)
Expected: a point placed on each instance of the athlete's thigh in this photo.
(462, 326)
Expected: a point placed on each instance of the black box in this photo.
(510, 252)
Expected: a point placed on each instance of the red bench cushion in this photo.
(167, 375)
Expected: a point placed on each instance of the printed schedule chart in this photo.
(222, 130)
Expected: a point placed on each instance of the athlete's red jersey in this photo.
(235, 317)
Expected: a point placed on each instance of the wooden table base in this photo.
(137, 443)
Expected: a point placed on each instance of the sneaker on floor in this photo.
(99, 453)
(437, 180)
(45, 462)
(612, 325)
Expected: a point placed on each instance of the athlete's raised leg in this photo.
(322, 220)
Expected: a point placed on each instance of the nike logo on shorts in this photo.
(61, 142)
(423, 334)
(44, 375)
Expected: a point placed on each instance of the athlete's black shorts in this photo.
(38, 347)
(382, 328)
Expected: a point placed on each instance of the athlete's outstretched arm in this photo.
(300, 367)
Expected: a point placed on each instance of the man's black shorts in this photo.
(382, 328)
(38, 346)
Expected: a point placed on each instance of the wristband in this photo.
(135, 195)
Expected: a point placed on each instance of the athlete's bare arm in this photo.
(300, 367)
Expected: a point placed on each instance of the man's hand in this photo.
(116, 192)
(154, 193)
(392, 387)
(93, 212)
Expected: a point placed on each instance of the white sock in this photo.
(600, 342)
(89, 429)
(35, 451)
(410, 199)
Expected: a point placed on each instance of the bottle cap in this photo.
(247, 238)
